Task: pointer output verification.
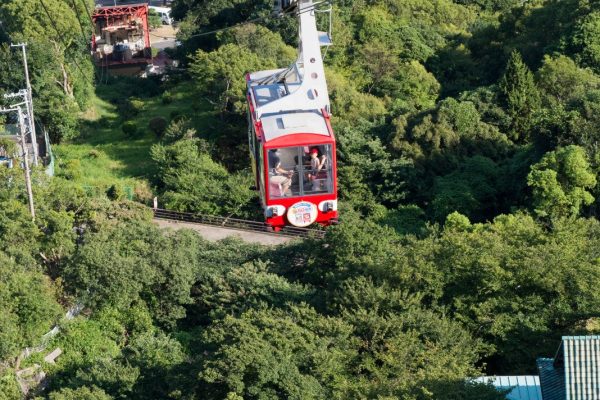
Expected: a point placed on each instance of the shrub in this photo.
(154, 19)
(8, 147)
(136, 105)
(179, 129)
(143, 193)
(94, 153)
(115, 193)
(167, 97)
(71, 169)
(158, 125)
(129, 128)
(130, 108)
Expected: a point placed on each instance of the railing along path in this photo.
(235, 224)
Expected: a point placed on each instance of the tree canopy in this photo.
(467, 155)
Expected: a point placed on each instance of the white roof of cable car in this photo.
(282, 124)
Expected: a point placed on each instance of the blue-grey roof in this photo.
(524, 387)
(552, 379)
(581, 363)
(574, 373)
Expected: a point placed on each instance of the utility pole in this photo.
(26, 162)
(29, 101)
(23, 141)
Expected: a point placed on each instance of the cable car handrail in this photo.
(235, 223)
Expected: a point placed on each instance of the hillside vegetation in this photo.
(467, 139)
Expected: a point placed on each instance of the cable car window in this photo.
(260, 170)
(298, 171)
(282, 171)
(317, 170)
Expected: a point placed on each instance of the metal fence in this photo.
(49, 159)
(234, 223)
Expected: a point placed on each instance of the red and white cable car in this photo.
(292, 145)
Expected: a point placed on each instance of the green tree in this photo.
(587, 40)
(562, 82)
(82, 393)
(368, 172)
(192, 181)
(61, 73)
(517, 285)
(521, 96)
(560, 182)
(28, 307)
(111, 270)
(414, 88)
(472, 190)
(261, 41)
(220, 74)
(296, 354)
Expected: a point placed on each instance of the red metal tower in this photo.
(121, 35)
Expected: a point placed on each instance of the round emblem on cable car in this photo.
(302, 214)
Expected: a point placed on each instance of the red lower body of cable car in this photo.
(303, 190)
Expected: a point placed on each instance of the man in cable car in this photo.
(278, 176)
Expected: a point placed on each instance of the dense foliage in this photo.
(468, 179)
(57, 33)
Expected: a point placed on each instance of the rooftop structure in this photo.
(121, 35)
(522, 387)
(573, 374)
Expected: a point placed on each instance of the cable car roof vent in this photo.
(290, 121)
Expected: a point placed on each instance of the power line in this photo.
(76, 11)
(61, 38)
(85, 38)
(87, 10)
(93, 27)
(285, 14)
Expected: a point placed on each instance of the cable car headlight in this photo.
(328, 205)
(274, 211)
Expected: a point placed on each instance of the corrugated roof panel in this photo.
(524, 387)
(552, 380)
(581, 356)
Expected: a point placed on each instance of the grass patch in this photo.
(103, 156)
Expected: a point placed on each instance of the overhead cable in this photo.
(309, 9)
(60, 37)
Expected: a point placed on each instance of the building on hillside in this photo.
(573, 374)
(121, 36)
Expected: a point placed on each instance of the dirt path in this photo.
(214, 233)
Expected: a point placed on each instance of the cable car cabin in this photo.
(292, 145)
(293, 159)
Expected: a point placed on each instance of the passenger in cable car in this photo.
(279, 177)
(317, 170)
(316, 163)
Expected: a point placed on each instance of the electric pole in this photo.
(26, 163)
(29, 102)
(23, 141)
